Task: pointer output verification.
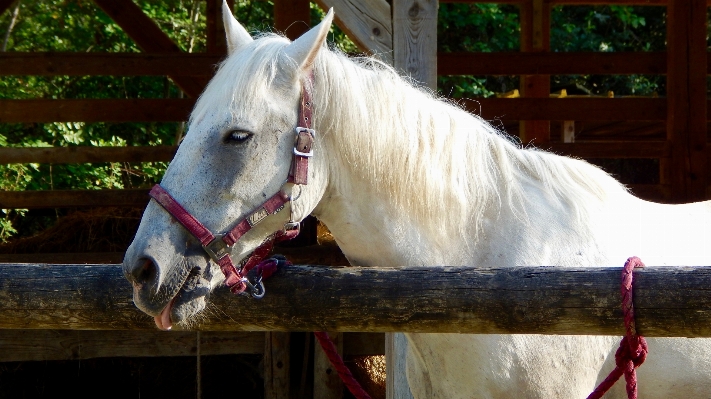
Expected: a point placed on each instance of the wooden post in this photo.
(216, 42)
(276, 365)
(686, 99)
(292, 17)
(415, 39)
(535, 37)
(327, 383)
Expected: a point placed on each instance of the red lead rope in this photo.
(633, 348)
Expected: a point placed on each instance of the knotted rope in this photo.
(633, 348)
(329, 348)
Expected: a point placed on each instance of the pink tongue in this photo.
(163, 320)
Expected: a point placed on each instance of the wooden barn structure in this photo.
(403, 33)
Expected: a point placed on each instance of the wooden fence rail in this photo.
(669, 301)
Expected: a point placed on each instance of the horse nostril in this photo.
(145, 271)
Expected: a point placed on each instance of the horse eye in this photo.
(237, 137)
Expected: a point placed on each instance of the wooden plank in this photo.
(96, 110)
(276, 365)
(611, 149)
(292, 17)
(415, 40)
(42, 345)
(396, 385)
(535, 38)
(5, 4)
(65, 258)
(327, 383)
(85, 154)
(216, 37)
(669, 301)
(129, 198)
(520, 63)
(686, 96)
(149, 37)
(113, 64)
(367, 22)
(578, 109)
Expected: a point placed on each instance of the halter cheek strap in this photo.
(218, 246)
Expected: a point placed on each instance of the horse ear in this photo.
(237, 36)
(304, 49)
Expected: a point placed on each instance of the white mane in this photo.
(442, 165)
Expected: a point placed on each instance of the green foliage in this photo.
(80, 26)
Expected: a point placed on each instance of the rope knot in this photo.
(632, 349)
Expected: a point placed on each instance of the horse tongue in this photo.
(163, 320)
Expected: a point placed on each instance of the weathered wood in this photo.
(292, 17)
(579, 109)
(85, 154)
(611, 149)
(113, 64)
(149, 37)
(535, 38)
(276, 365)
(686, 96)
(36, 345)
(97, 110)
(367, 22)
(520, 63)
(669, 301)
(42, 345)
(396, 385)
(415, 40)
(327, 383)
(130, 198)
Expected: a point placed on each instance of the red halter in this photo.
(218, 245)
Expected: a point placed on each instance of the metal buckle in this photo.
(312, 132)
(217, 248)
(289, 226)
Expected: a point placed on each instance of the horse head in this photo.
(237, 153)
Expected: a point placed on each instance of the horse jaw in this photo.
(237, 35)
(304, 49)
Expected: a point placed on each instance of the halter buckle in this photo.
(292, 226)
(217, 248)
(298, 130)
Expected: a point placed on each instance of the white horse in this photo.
(403, 178)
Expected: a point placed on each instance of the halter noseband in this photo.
(218, 246)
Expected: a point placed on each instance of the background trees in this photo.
(80, 26)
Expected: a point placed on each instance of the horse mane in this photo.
(438, 163)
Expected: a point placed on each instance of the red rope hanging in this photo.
(337, 362)
(633, 348)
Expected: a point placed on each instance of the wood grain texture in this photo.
(96, 110)
(669, 301)
(276, 365)
(131, 198)
(41, 345)
(327, 383)
(415, 40)
(367, 22)
(149, 37)
(686, 96)
(578, 109)
(112, 64)
(85, 154)
(520, 63)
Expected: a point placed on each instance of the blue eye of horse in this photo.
(237, 137)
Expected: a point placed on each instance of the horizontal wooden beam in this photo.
(578, 109)
(131, 198)
(573, 2)
(611, 149)
(85, 154)
(669, 301)
(43, 345)
(109, 64)
(96, 110)
(517, 63)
